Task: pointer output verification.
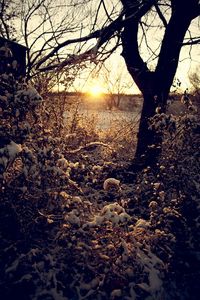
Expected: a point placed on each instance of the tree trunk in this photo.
(149, 142)
(154, 85)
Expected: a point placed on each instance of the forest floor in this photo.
(133, 236)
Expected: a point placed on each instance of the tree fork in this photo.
(155, 85)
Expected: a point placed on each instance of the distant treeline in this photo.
(103, 101)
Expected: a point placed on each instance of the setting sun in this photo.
(95, 90)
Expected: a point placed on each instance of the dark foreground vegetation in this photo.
(75, 223)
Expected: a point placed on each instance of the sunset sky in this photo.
(80, 23)
(189, 61)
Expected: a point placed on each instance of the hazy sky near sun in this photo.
(80, 23)
(189, 61)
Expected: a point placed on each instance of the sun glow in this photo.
(95, 90)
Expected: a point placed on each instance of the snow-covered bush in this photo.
(113, 213)
(111, 185)
(62, 235)
(19, 102)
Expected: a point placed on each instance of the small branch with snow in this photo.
(89, 146)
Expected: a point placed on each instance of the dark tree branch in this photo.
(102, 35)
(161, 16)
(2, 14)
(171, 46)
(192, 41)
(135, 64)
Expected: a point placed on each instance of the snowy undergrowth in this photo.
(68, 229)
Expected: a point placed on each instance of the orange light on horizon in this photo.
(96, 90)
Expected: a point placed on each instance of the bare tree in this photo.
(130, 26)
(155, 85)
(8, 13)
(151, 34)
(44, 24)
(116, 83)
